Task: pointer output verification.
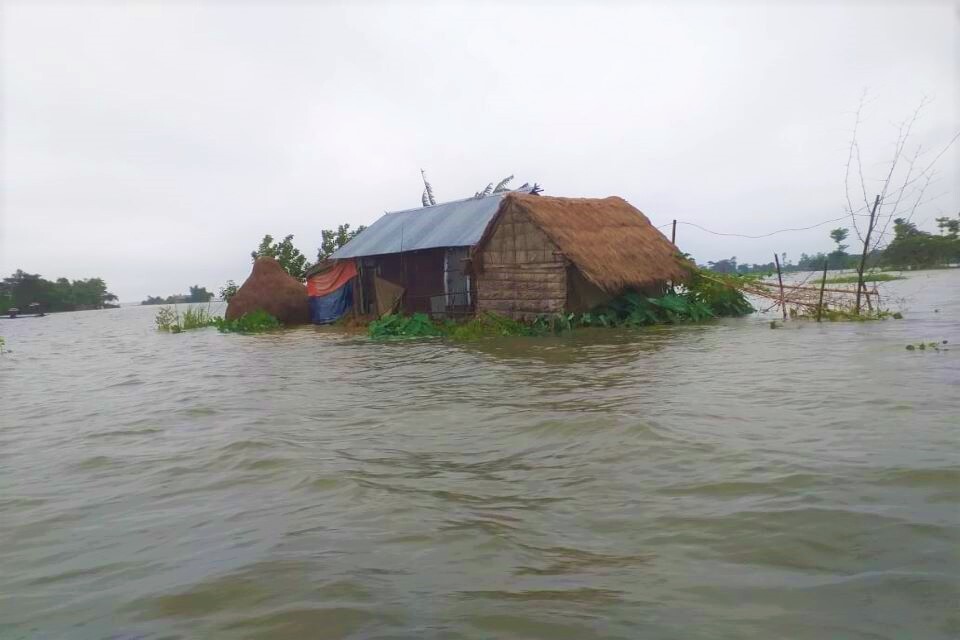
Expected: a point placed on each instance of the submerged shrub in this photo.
(394, 325)
(197, 318)
(254, 322)
(170, 319)
(721, 294)
(167, 319)
(488, 325)
(700, 300)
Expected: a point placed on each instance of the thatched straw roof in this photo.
(273, 290)
(610, 241)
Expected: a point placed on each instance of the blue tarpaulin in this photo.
(331, 307)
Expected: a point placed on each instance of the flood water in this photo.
(723, 480)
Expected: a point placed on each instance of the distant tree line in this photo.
(917, 249)
(197, 294)
(22, 289)
(909, 249)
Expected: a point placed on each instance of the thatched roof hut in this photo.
(273, 290)
(543, 254)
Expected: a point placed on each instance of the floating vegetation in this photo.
(3, 344)
(932, 346)
(842, 315)
(254, 322)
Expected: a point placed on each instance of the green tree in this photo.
(22, 289)
(91, 292)
(914, 248)
(728, 265)
(289, 257)
(228, 290)
(331, 240)
(200, 294)
(949, 226)
(838, 236)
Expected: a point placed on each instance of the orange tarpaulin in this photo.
(326, 282)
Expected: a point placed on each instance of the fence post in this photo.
(866, 249)
(783, 304)
(673, 233)
(823, 283)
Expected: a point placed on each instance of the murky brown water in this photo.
(716, 481)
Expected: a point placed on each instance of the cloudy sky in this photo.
(154, 144)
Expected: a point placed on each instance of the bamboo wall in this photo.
(523, 274)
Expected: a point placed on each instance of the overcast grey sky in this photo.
(154, 144)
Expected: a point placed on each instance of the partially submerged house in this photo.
(417, 260)
(517, 254)
(542, 255)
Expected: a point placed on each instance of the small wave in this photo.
(943, 477)
(124, 432)
(584, 595)
(95, 463)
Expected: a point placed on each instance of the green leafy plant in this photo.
(288, 256)
(254, 322)
(721, 294)
(197, 318)
(702, 299)
(167, 319)
(394, 325)
(331, 240)
(228, 290)
(171, 320)
(488, 325)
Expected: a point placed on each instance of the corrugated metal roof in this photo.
(450, 224)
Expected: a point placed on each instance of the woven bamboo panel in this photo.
(524, 273)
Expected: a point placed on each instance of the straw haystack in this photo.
(273, 290)
(543, 255)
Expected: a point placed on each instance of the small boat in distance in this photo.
(33, 311)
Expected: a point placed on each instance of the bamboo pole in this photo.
(866, 249)
(776, 259)
(673, 233)
(823, 283)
